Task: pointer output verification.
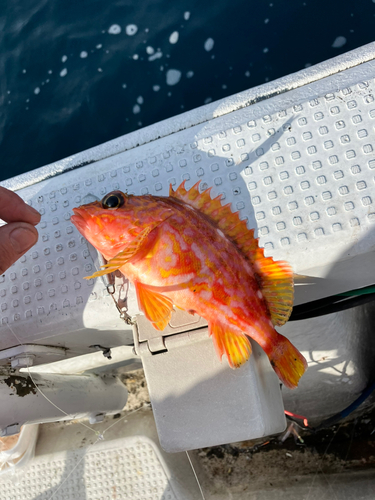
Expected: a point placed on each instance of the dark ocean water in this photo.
(77, 73)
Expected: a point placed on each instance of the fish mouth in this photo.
(79, 220)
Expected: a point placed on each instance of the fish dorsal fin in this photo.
(275, 278)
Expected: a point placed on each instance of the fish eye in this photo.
(113, 200)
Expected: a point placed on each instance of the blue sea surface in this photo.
(75, 74)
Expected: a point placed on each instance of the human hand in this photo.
(19, 234)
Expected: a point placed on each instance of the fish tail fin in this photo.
(235, 346)
(287, 361)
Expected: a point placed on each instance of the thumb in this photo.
(15, 239)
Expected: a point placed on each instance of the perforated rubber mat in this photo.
(129, 468)
(299, 167)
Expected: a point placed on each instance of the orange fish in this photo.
(190, 251)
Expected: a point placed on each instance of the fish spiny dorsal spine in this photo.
(275, 278)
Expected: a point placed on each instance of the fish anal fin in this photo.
(156, 307)
(235, 346)
(275, 278)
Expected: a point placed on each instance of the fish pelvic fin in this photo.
(275, 278)
(124, 256)
(235, 346)
(287, 361)
(156, 307)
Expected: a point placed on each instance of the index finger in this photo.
(14, 209)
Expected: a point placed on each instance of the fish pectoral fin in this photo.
(124, 256)
(236, 346)
(156, 307)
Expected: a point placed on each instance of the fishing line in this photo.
(320, 466)
(195, 475)
(40, 391)
(74, 468)
(100, 436)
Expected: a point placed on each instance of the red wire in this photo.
(299, 417)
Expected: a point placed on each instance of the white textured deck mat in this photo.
(299, 167)
(129, 468)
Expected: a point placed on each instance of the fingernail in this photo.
(22, 239)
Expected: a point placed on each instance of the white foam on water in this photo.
(208, 100)
(155, 56)
(83, 54)
(135, 56)
(174, 37)
(224, 86)
(64, 58)
(140, 100)
(187, 14)
(36, 90)
(265, 50)
(124, 85)
(99, 46)
(23, 71)
(27, 100)
(173, 76)
(100, 70)
(189, 74)
(150, 50)
(209, 44)
(63, 72)
(247, 73)
(50, 71)
(115, 29)
(266, 21)
(340, 41)
(156, 88)
(136, 109)
(131, 29)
